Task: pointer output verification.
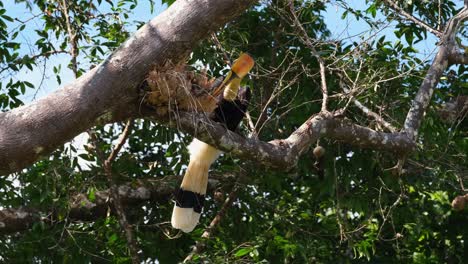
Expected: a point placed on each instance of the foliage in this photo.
(359, 212)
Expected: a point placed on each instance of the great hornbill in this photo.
(230, 111)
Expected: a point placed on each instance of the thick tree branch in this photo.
(16, 220)
(284, 154)
(109, 91)
(83, 208)
(457, 57)
(438, 67)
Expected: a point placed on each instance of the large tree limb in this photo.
(82, 208)
(279, 154)
(109, 91)
(441, 62)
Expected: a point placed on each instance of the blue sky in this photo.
(352, 28)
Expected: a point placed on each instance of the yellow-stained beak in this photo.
(239, 70)
(243, 65)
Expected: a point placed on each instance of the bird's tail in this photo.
(191, 194)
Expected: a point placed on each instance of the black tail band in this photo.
(189, 199)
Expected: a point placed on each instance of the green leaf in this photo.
(92, 194)
(242, 252)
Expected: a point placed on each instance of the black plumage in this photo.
(231, 113)
(189, 199)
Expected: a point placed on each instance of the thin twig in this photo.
(460, 180)
(412, 18)
(114, 192)
(439, 17)
(263, 118)
(32, 57)
(305, 38)
(343, 236)
(72, 36)
(386, 216)
(226, 58)
(120, 143)
(366, 110)
(374, 115)
(253, 131)
(200, 245)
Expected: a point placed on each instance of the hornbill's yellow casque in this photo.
(230, 112)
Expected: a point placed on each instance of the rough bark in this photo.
(109, 91)
(459, 57)
(16, 220)
(284, 153)
(454, 109)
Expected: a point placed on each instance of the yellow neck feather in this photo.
(230, 92)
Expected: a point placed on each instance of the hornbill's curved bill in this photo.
(230, 111)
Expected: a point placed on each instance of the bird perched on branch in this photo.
(230, 111)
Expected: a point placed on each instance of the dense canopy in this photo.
(380, 85)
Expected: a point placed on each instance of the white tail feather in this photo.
(195, 180)
(184, 219)
(202, 152)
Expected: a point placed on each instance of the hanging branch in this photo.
(114, 192)
(73, 39)
(200, 245)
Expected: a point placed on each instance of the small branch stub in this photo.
(319, 152)
(319, 165)
(458, 204)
